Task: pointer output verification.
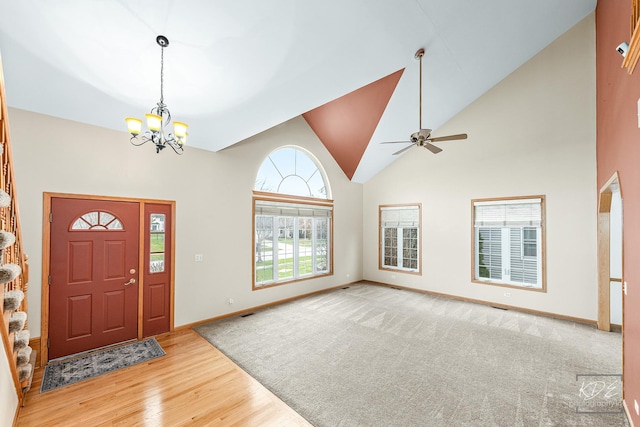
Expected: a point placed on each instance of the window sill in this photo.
(511, 286)
(400, 270)
(286, 282)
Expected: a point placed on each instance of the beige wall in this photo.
(213, 205)
(8, 396)
(533, 133)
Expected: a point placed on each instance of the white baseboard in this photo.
(626, 410)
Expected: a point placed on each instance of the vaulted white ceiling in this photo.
(235, 68)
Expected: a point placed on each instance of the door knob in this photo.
(130, 282)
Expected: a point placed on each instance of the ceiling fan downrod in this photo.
(419, 54)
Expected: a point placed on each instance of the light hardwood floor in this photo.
(194, 384)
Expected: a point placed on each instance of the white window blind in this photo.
(400, 216)
(508, 213)
(263, 207)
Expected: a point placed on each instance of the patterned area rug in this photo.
(70, 371)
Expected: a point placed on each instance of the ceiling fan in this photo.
(423, 137)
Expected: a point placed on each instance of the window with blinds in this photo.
(508, 240)
(399, 237)
(291, 240)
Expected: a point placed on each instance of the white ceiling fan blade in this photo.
(403, 150)
(449, 138)
(432, 148)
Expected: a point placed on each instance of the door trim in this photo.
(604, 251)
(604, 254)
(46, 253)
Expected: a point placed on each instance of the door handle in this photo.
(130, 282)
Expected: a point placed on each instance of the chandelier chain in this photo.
(162, 75)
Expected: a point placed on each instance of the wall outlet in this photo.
(230, 301)
(624, 287)
(199, 257)
(507, 294)
(636, 406)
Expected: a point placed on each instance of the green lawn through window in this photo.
(264, 269)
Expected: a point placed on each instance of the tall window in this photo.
(508, 242)
(400, 237)
(156, 243)
(292, 219)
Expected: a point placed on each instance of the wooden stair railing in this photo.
(13, 254)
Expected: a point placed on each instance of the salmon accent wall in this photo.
(345, 126)
(618, 149)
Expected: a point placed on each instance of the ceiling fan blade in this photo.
(396, 142)
(403, 150)
(432, 148)
(449, 138)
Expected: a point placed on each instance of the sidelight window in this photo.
(157, 249)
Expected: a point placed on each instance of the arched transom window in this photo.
(294, 171)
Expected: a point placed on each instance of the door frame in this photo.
(604, 253)
(46, 260)
(604, 259)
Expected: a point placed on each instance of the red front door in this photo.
(93, 292)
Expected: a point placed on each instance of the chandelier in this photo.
(158, 119)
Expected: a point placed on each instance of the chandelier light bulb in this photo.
(154, 122)
(180, 129)
(134, 125)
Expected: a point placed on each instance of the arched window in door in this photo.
(96, 220)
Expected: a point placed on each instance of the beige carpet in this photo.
(375, 356)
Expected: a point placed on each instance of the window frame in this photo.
(399, 237)
(542, 243)
(150, 250)
(292, 200)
